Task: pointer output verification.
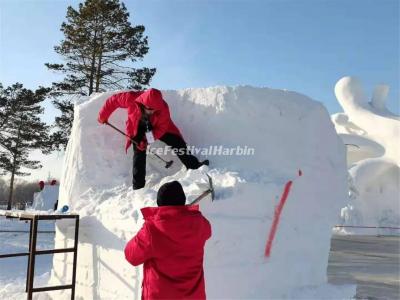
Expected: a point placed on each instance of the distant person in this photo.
(171, 246)
(147, 113)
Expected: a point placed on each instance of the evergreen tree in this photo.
(99, 46)
(21, 131)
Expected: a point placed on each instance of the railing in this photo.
(367, 227)
(33, 231)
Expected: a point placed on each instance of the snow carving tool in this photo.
(210, 190)
(167, 163)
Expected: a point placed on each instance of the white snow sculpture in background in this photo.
(379, 97)
(47, 197)
(372, 134)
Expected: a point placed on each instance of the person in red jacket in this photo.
(170, 244)
(147, 112)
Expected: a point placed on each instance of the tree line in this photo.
(98, 51)
(23, 193)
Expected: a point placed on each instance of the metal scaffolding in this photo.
(34, 219)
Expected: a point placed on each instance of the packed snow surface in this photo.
(372, 133)
(13, 270)
(288, 132)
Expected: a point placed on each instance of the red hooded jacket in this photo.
(152, 98)
(171, 246)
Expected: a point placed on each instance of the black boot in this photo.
(178, 144)
(204, 163)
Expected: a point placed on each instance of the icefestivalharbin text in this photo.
(206, 151)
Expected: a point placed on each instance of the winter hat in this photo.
(171, 193)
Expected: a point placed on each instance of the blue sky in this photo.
(300, 45)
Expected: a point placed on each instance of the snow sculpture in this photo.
(372, 133)
(284, 128)
(46, 199)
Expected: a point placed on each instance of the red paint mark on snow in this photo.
(277, 215)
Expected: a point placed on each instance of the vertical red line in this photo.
(277, 215)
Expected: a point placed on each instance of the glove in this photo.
(143, 145)
(137, 139)
(102, 121)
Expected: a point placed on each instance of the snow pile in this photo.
(46, 199)
(288, 132)
(373, 135)
(12, 287)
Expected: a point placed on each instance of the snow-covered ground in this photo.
(373, 137)
(13, 270)
(352, 260)
(14, 238)
(285, 129)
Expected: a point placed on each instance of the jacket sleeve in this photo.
(119, 100)
(162, 123)
(139, 248)
(208, 231)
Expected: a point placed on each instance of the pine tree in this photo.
(21, 131)
(99, 46)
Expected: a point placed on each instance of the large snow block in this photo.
(288, 132)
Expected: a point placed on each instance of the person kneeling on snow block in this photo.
(147, 112)
(171, 246)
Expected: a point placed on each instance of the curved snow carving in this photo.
(284, 128)
(372, 133)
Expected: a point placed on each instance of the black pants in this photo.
(176, 143)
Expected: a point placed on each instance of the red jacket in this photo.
(171, 246)
(152, 98)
